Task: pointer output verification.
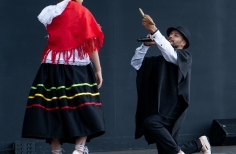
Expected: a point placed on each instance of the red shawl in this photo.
(75, 28)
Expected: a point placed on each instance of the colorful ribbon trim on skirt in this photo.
(61, 87)
(64, 107)
(61, 97)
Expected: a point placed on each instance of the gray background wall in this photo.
(212, 25)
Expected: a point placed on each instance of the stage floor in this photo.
(215, 150)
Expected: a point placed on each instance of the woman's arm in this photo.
(98, 73)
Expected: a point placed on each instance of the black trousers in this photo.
(158, 129)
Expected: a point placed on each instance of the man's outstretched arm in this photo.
(138, 57)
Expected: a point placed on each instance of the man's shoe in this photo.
(180, 152)
(206, 144)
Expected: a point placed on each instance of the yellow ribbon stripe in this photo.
(61, 87)
(61, 97)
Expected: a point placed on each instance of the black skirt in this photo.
(63, 103)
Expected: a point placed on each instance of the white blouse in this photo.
(77, 60)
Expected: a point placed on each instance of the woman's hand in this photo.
(99, 79)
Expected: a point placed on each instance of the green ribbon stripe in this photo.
(60, 87)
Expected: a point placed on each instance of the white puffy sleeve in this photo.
(48, 13)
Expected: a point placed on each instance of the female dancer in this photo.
(64, 104)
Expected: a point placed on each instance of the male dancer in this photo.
(163, 87)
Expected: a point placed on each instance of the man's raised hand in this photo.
(147, 22)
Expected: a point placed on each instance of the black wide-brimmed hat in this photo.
(183, 31)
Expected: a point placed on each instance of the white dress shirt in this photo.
(165, 47)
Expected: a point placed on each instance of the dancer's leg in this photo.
(161, 135)
(56, 146)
